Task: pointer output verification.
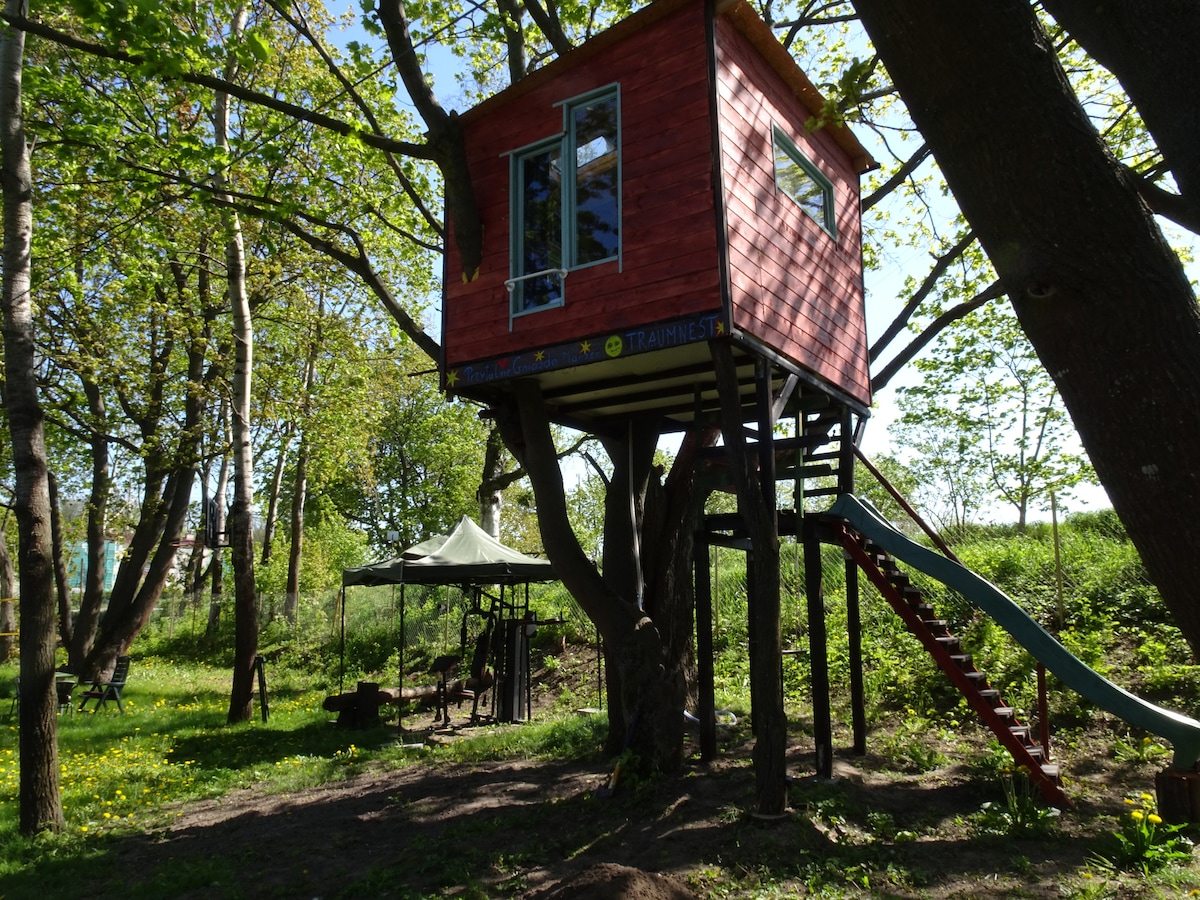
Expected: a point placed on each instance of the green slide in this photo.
(1182, 731)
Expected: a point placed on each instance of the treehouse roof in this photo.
(738, 12)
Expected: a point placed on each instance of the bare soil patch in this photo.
(541, 830)
(544, 830)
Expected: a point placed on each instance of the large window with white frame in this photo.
(798, 177)
(566, 202)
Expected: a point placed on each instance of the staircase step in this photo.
(822, 491)
(907, 600)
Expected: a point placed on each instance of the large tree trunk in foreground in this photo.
(1152, 51)
(40, 804)
(624, 504)
(1098, 291)
(651, 694)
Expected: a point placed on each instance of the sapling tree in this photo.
(985, 422)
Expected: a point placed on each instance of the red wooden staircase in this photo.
(922, 621)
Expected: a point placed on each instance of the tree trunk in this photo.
(489, 495)
(673, 510)
(241, 536)
(40, 804)
(272, 517)
(624, 508)
(220, 529)
(291, 602)
(1098, 291)
(150, 558)
(8, 613)
(83, 634)
(58, 542)
(651, 695)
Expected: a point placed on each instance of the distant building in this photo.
(77, 566)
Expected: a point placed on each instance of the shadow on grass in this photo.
(514, 828)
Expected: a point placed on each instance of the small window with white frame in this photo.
(798, 177)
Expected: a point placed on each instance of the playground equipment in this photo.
(490, 576)
(670, 240)
(872, 541)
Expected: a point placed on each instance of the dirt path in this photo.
(536, 829)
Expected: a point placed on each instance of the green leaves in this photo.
(985, 422)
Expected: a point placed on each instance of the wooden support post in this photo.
(818, 652)
(1178, 793)
(762, 570)
(706, 707)
(366, 705)
(858, 714)
(764, 403)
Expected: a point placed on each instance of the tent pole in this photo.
(400, 683)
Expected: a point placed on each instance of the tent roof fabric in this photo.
(468, 555)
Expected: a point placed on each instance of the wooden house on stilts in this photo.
(671, 234)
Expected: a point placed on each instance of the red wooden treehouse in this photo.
(700, 206)
(658, 207)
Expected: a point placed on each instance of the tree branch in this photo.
(446, 140)
(548, 22)
(301, 27)
(880, 380)
(377, 141)
(1176, 207)
(898, 178)
(901, 321)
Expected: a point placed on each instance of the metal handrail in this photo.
(1042, 693)
(510, 284)
(904, 504)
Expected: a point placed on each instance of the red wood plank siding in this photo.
(793, 286)
(669, 233)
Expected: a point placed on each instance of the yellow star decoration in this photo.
(452, 378)
(539, 355)
(585, 347)
(720, 327)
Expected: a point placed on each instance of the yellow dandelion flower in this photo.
(1129, 801)
(1137, 815)
(1154, 819)
(1147, 798)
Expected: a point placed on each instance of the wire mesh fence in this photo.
(1089, 589)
